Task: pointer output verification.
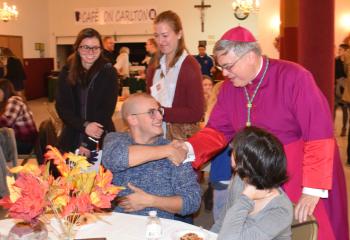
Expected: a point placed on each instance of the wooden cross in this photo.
(202, 7)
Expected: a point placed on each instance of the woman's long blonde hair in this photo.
(174, 22)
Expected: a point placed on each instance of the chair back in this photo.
(8, 153)
(57, 122)
(306, 230)
(47, 136)
(3, 173)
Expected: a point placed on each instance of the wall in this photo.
(32, 24)
(218, 19)
(268, 26)
(52, 21)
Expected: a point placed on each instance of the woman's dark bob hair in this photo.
(260, 158)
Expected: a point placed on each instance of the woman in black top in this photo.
(14, 70)
(86, 96)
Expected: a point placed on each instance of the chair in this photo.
(8, 153)
(8, 144)
(57, 122)
(306, 230)
(47, 136)
(3, 173)
(40, 144)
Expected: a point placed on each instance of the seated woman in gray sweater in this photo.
(256, 208)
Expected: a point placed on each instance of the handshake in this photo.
(177, 152)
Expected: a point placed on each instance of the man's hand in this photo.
(135, 201)
(177, 152)
(94, 130)
(305, 207)
(179, 144)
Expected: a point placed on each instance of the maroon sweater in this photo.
(188, 104)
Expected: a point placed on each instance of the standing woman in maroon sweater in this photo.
(175, 80)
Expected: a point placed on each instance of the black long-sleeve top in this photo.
(76, 105)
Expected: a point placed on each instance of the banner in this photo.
(115, 15)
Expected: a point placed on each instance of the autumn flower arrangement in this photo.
(68, 197)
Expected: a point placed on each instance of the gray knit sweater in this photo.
(272, 222)
(159, 177)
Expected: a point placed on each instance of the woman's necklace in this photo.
(250, 100)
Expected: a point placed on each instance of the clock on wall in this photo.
(239, 14)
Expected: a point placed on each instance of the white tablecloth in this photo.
(115, 226)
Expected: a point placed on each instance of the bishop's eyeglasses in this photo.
(229, 66)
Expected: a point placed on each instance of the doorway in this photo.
(15, 43)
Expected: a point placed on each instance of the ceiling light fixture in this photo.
(242, 8)
(8, 13)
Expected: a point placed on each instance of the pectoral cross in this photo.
(202, 7)
(249, 107)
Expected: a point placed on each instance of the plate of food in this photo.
(190, 234)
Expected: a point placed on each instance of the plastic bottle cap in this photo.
(152, 213)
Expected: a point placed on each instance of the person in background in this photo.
(257, 207)
(207, 84)
(346, 94)
(151, 49)
(206, 62)
(153, 180)
(15, 113)
(217, 74)
(122, 65)
(340, 76)
(86, 95)
(14, 71)
(175, 80)
(211, 99)
(108, 49)
(283, 98)
(220, 170)
(123, 70)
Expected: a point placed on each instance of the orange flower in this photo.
(31, 202)
(6, 202)
(80, 204)
(54, 154)
(75, 192)
(59, 160)
(101, 200)
(104, 192)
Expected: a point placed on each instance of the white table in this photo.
(115, 226)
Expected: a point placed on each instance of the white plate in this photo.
(200, 233)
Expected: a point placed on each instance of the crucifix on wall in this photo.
(202, 7)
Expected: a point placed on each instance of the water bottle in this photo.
(153, 227)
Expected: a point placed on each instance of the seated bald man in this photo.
(146, 164)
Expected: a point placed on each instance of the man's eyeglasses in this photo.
(229, 66)
(152, 112)
(86, 48)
